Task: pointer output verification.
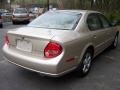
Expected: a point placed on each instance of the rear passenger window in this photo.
(104, 21)
(93, 22)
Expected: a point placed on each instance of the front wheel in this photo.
(85, 65)
(115, 42)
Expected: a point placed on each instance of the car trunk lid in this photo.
(29, 39)
(36, 39)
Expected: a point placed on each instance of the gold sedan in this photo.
(60, 41)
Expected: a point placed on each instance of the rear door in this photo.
(98, 34)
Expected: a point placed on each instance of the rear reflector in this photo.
(70, 60)
(7, 40)
(52, 50)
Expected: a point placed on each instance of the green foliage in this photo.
(110, 7)
(30, 1)
(113, 16)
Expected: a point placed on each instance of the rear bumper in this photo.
(49, 68)
(40, 72)
(20, 19)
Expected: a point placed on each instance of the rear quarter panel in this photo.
(74, 50)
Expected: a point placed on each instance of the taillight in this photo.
(7, 40)
(52, 50)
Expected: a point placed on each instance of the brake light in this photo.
(52, 50)
(7, 40)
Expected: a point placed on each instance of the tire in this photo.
(115, 42)
(85, 65)
(1, 25)
(14, 23)
(27, 22)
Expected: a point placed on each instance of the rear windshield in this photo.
(56, 20)
(20, 10)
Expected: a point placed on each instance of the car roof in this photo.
(78, 11)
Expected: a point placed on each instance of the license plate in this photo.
(24, 45)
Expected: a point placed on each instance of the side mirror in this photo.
(115, 23)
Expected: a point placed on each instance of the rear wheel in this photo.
(85, 65)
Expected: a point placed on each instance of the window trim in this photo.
(101, 15)
(95, 14)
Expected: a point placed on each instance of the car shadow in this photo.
(21, 23)
(36, 76)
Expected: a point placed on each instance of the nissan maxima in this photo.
(60, 41)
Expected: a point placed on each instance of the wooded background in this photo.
(104, 5)
(110, 7)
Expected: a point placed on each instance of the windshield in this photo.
(20, 10)
(56, 20)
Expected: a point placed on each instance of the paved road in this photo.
(105, 74)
